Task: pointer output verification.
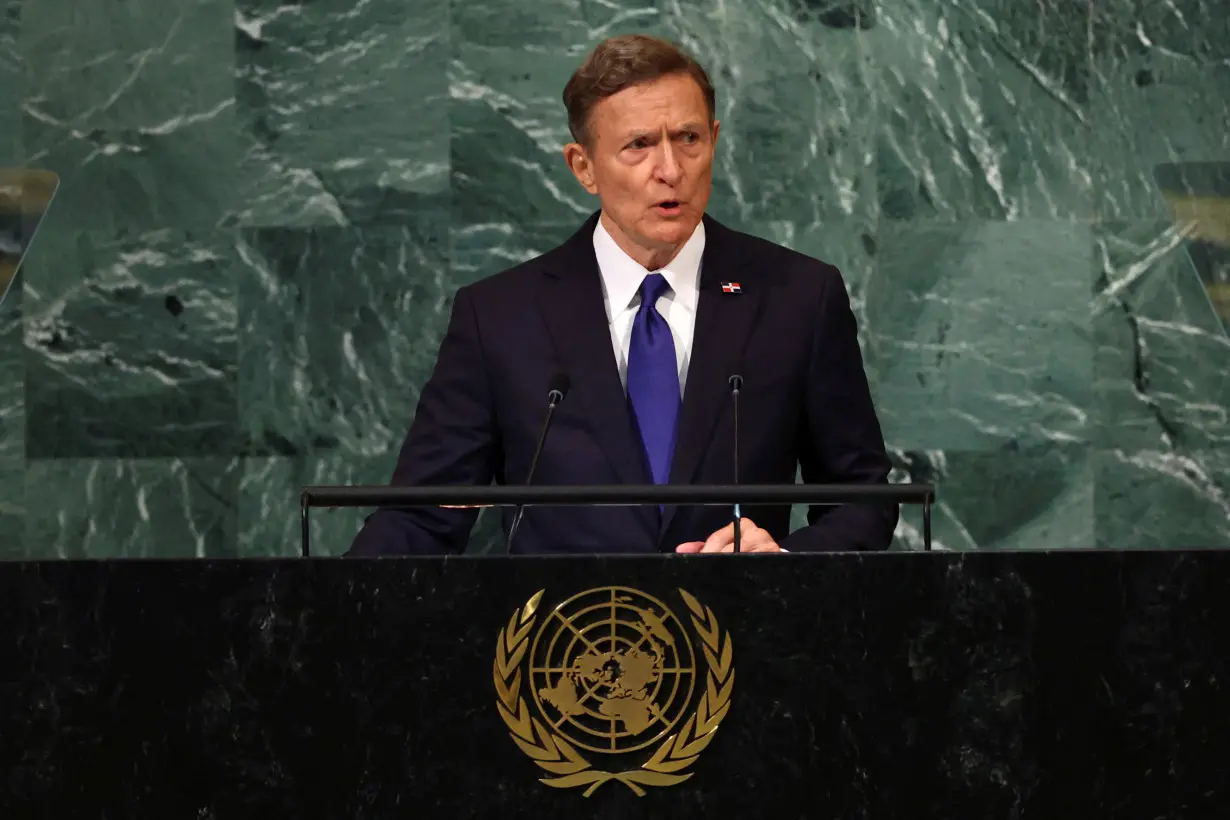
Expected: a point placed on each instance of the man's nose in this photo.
(668, 164)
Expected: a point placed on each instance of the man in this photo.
(648, 310)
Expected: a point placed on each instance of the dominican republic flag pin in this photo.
(731, 287)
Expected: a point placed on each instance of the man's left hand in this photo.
(751, 539)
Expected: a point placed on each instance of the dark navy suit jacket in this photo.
(805, 402)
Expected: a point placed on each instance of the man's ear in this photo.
(581, 166)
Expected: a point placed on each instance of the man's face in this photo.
(650, 161)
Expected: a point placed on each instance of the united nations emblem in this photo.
(613, 673)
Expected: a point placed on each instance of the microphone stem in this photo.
(738, 513)
(529, 476)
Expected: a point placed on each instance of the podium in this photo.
(883, 685)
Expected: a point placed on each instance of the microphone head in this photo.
(735, 368)
(557, 388)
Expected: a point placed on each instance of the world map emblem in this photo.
(612, 685)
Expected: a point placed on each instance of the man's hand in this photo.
(751, 539)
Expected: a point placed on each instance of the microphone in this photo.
(557, 388)
(736, 384)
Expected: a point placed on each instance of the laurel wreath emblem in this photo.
(567, 767)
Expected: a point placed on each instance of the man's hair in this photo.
(622, 62)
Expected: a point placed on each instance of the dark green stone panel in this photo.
(133, 105)
(979, 333)
(1161, 94)
(11, 84)
(131, 345)
(342, 110)
(338, 328)
(132, 508)
(12, 428)
(984, 109)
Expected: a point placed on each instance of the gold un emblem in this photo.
(611, 675)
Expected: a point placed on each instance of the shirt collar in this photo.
(622, 275)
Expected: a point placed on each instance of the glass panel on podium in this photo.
(25, 196)
(1198, 194)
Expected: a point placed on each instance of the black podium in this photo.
(886, 685)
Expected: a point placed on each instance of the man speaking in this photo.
(638, 323)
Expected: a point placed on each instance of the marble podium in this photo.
(944, 685)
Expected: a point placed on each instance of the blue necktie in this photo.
(653, 380)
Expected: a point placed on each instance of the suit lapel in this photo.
(571, 303)
(723, 323)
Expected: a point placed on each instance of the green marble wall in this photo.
(266, 208)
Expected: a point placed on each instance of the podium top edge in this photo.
(618, 494)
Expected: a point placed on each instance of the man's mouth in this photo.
(668, 206)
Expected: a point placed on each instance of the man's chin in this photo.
(673, 230)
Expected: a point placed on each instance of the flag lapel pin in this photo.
(731, 287)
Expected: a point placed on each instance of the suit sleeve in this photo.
(843, 440)
(452, 440)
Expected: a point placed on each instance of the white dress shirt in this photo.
(621, 283)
